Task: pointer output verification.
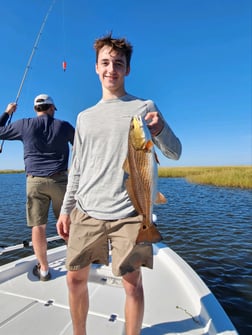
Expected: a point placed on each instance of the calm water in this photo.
(210, 227)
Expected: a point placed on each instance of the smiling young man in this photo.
(96, 197)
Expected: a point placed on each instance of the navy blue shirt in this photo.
(46, 142)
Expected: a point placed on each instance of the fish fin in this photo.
(148, 145)
(156, 158)
(126, 166)
(160, 198)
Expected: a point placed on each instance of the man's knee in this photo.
(133, 283)
(77, 278)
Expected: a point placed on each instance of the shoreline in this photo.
(221, 176)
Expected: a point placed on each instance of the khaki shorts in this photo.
(88, 243)
(41, 192)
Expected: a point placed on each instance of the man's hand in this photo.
(63, 226)
(154, 122)
(11, 108)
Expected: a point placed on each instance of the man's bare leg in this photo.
(134, 305)
(39, 244)
(78, 299)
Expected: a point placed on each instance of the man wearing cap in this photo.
(46, 153)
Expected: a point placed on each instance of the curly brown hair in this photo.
(119, 44)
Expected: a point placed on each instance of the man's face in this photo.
(111, 68)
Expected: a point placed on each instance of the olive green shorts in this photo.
(89, 242)
(41, 193)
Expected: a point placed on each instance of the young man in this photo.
(46, 153)
(96, 196)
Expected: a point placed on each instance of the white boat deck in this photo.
(176, 300)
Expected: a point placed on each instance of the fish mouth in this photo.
(139, 134)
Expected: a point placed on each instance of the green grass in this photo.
(225, 176)
(11, 171)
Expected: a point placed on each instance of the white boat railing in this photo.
(25, 244)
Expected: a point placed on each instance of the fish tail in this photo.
(148, 233)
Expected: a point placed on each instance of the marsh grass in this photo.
(225, 176)
(11, 171)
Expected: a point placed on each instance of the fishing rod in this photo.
(25, 244)
(27, 68)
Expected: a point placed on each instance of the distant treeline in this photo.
(225, 176)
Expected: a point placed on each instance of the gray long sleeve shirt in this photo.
(96, 178)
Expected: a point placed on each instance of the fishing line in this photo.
(29, 62)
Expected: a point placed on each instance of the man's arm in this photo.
(11, 108)
(163, 136)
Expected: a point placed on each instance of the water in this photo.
(209, 227)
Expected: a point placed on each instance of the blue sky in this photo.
(192, 57)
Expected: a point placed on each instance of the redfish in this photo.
(141, 183)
